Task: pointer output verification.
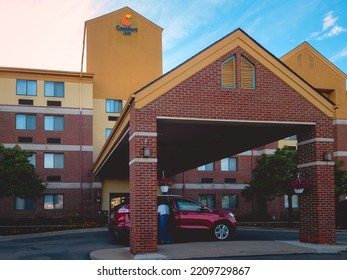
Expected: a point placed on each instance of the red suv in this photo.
(186, 215)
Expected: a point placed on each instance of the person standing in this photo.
(164, 223)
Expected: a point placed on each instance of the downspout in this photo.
(81, 125)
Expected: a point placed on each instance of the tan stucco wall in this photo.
(71, 99)
(122, 64)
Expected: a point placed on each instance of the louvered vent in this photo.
(247, 74)
(228, 73)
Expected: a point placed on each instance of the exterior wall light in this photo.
(146, 152)
(327, 156)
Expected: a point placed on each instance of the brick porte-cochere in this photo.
(274, 105)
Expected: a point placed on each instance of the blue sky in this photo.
(47, 34)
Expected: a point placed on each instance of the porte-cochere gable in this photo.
(188, 118)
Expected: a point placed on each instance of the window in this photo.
(54, 89)
(113, 106)
(25, 203)
(229, 164)
(230, 201)
(247, 74)
(53, 202)
(207, 199)
(54, 123)
(206, 167)
(25, 122)
(53, 160)
(295, 201)
(293, 137)
(108, 132)
(228, 73)
(26, 87)
(32, 159)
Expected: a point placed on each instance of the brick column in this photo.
(317, 205)
(143, 184)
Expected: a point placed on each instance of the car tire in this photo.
(221, 232)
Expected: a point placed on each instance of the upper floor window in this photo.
(108, 132)
(32, 159)
(54, 89)
(206, 167)
(53, 160)
(228, 73)
(113, 106)
(26, 87)
(229, 164)
(25, 122)
(247, 74)
(54, 123)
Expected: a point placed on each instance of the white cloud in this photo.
(330, 28)
(339, 55)
(329, 20)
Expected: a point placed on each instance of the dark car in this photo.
(341, 214)
(186, 215)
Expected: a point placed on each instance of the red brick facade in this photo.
(201, 96)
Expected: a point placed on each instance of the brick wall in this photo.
(201, 96)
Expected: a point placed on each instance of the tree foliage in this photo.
(272, 175)
(17, 175)
(340, 179)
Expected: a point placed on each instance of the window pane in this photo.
(20, 121)
(49, 123)
(58, 201)
(49, 89)
(21, 87)
(108, 131)
(20, 203)
(30, 204)
(232, 164)
(225, 164)
(32, 160)
(48, 201)
(118, 106)
(110, 106)
(230, 201)
(295, 201)
(58, 161)
(31, 87)
(59, 89)
(58, 123)
(48, 160)
(31, 122)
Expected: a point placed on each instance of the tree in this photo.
(17, 175)
(272, 177)
(340, 179)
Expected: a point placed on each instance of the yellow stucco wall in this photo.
(100, 123)
(71, 99)
(321, 74)
(122, 64)
(112, 186)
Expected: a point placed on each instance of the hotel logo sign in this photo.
(125, 27)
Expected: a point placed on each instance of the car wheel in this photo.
(221, 231)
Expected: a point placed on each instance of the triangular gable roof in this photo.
(238, 38)
(121, 11)
(307, 46)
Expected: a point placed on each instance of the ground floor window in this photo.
(118, 198)
(53, 202)
(207, 199)
(230, 201)
(25, 203)
(295, 201)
